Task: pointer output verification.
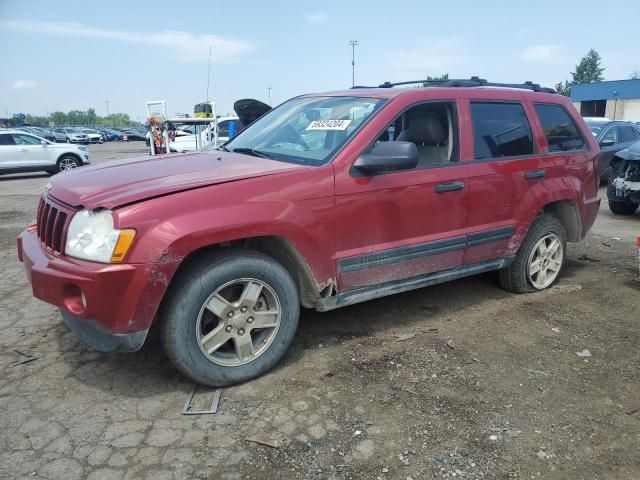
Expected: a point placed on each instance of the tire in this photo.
(68, 140)
(623, 208)
(186, 322)
(516, 278)
(67, 162)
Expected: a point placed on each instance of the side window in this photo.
(223, 128)
(561, 131)
(6, 139)
(25, 139)
(432, 126)
(626, 134)
(636, 133)
(500, 130)
(611, 135)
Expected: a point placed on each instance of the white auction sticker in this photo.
(329, 125)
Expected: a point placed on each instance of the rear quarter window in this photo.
(559, 128)
(500, 130)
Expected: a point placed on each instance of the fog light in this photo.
(74, 300)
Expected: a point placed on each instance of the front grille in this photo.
(52, 225)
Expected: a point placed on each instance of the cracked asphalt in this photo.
(458, 380)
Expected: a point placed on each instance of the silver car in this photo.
(70, 135)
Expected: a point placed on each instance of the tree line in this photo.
(81, 118)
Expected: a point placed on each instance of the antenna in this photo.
(209, 74)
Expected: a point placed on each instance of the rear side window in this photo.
(6, 139)
(500, 130)
(561, 131)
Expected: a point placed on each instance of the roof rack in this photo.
(468, 82)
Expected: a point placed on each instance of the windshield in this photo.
(595, 129)
(306, 130)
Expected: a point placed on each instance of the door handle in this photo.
(533, 174)
(23, 149)
(449, 187)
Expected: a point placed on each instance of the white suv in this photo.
(23, 152)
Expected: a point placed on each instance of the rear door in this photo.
(508, 172)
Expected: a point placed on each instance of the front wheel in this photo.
(540, 258)
(230, 317)
(623, 208)
(67, 162)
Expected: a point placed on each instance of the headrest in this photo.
(426, 128)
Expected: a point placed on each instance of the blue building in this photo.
(616, 99)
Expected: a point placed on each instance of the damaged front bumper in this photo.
(109, 306)
(623, 190)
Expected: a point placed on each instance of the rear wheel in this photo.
(540, 258)
(230, 317)
(67, 162)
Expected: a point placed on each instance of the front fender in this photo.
(171, 227)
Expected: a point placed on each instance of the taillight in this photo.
(596, 169)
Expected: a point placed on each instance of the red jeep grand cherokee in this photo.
(325, 201)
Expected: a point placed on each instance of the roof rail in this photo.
(470, 82)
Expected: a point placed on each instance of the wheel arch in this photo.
(282, 251)
(68, 154)
(569, 216)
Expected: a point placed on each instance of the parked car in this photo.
(206, 139)
(623, 191)
(131, 135)
(612, 136)
(70, 135)
(23, 152)
(93, 135)
(115, 134)
(325, 201)
(39, 132)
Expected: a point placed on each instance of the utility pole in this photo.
(209, 73)
(107, 103)
(269, 92)
(353, 44)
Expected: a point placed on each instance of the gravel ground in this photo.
(483, 384)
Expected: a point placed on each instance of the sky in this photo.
(75, 55)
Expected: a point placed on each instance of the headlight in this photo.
(91, 236)
(82, 147)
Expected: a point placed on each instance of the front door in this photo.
(405, 224)
(30, 151)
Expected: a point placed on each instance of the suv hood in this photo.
(117, 183)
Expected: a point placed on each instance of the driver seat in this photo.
(426, 131)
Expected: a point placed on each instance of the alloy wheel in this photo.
(545, 261)
(67, 164)
(238, 322)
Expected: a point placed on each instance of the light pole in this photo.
(107, 103)
(269, 92)
(353, 44)
(209, 73)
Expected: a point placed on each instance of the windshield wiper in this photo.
(223, 148)
(252, 151)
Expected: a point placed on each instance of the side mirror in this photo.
(607, 143)
(44, 143)
(388, 157)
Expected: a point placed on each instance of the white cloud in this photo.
(317, 18)
(187, 46)
(417, 63)
(540, 53)
(24, 84)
